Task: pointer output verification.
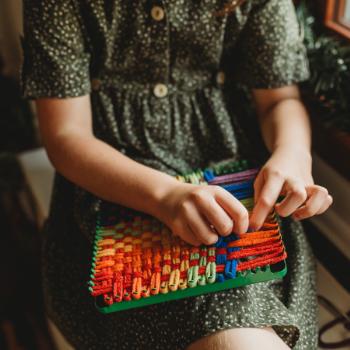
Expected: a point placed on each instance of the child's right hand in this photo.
(190, 210)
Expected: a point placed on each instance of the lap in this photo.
(286, 304)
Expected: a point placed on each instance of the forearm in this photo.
(106, 172)
(66, 130)
(286, 125)
(286, 130)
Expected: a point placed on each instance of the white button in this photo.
(157, 13)
(160, 90)
(220, 77)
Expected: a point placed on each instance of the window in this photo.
(338, 16)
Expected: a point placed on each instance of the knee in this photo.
(220, 340)
(240, 339)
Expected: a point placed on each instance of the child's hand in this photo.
(288, 172)
(189, 211)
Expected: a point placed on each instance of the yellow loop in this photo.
(164, 287)
(136, 288)
(183, 283)
(128, 248)
(106, 241)
(105, 252)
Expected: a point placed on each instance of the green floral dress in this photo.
(162, 76)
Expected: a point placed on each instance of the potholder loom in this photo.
(137, 261)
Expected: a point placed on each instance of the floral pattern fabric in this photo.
(161, 75)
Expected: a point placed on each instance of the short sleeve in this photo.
(55, 60)
(270, 51)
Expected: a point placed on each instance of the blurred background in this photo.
(26, 180)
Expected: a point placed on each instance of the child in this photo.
(130, 93)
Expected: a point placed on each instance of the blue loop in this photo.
(228, 269)
(221, 259)
(220, 277)
(246, 185)
(233, 270)
(208, 175)
(220, 242)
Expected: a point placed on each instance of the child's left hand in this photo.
(288, 173)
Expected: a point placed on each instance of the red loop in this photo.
(220, 268)
(201, 270)
(194, 262)
(165, 277)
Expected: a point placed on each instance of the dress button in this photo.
(95, 84)
(220, 77)
(157, 13)
(160, 90)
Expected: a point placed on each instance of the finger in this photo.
(296, 196)
(200, 227)
(215, 215)
(326, 205)
(186, 234)
(191, 237)
(317, 197)
(234, 208)
(266, 201)
(258, 185)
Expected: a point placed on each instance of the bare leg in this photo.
(240, 339)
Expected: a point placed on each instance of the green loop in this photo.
(135, 233)
(210, 272)
(120, 225)
(202, 281)
(193, 276)
(128, 231)
(211, 251)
